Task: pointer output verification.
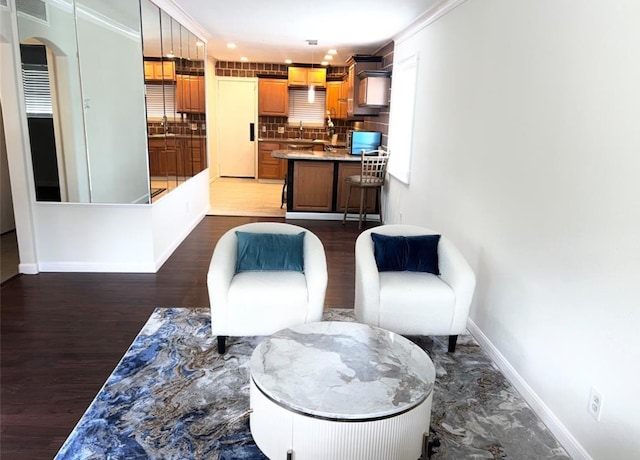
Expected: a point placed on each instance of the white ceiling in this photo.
(272, 31)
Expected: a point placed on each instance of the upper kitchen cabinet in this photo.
(190, 74)
(190, 89)
(336, 100)
(374, 88)
(305, 76)
(159, 70)
(357, 64)
(273, 97)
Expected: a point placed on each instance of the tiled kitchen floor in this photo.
(230, 196)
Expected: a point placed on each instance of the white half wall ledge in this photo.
(170, 250)
(571, 444)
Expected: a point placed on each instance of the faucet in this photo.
(300, 130)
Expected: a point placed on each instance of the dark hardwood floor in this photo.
(63, 333)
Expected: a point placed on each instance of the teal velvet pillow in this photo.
(406, 253)
(270, 252)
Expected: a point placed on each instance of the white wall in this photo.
(527, 155)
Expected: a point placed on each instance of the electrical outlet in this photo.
(595, 404)
(280, 129)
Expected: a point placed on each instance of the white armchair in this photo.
(263, 302)
(413, 303)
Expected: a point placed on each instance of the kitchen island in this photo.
(316, 184)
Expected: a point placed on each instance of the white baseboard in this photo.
(28, 269)
(90, 267)
(571, 444)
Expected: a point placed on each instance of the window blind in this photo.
(161, 101)
(37, 92)
(300, 110)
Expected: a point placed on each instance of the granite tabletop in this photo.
(333, 155)
(342, 371)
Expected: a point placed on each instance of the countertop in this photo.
(291, 140)
(172, 135)
(335, 155)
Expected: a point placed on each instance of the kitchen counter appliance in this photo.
(363, 140)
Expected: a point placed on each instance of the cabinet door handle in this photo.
(252, 132)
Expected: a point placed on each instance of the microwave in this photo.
(357, 141)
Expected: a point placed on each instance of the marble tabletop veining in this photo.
(334, 155)
(342, 371)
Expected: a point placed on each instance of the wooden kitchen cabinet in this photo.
(159, 70)
(374, 88)
(312, 184)
(273, 97)
(195, 154)
(305, 76)
(270, 168)
(177, 156)
(157, 158)
(336, 100)
(190, 93)
(357, 65)
(352, 169)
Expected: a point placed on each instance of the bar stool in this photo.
(372, 176)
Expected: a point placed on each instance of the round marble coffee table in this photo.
(340, 390)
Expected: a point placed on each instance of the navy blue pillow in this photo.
(270, 252)
(406, 253)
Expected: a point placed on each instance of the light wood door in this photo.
(237, 111)
(312, 186)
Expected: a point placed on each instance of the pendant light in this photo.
(311, 93)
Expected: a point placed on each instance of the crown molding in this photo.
(432, 15)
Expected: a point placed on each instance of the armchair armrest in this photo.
(315, 272)
(367, 281)
(457, 273)
(221, 271)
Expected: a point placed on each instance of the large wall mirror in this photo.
(174, 62)
(114, 96)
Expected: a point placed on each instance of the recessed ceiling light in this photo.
(288, 61)
(325, 63)
(231, 45)
(244, 58)
(199, 43)
(332, 52)
(328, 57)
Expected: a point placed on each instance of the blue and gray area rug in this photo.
(172, 396)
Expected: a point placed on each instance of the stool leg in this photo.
(380, 204)
(366, 204)
(346, 206)
(283, 199)
(361, 202)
